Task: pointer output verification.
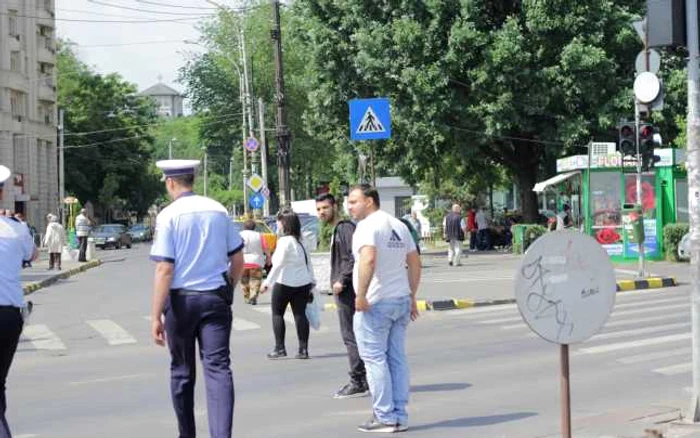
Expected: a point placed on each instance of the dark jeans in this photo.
(345, 302)
(484, 240)
(298, 297)
(472, 240)
(83, 240)
(55, 260)
(203, 319)
(10, 329)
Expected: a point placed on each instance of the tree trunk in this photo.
(527, 178)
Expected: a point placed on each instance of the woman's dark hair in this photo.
(249, 225)
(290, 223)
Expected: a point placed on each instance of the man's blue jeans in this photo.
(381, 340)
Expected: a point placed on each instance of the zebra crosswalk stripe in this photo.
(42, 338)
(633, 344)
(111, 331)
(241, 324)
(675, 369)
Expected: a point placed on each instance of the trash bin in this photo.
(518, 238)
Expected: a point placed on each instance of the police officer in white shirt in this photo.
(16, 246)
(199, 261)
(386, 276)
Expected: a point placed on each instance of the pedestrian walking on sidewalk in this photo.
(255, 253)
(454, 234)
(82, 231)
(16, 246)
(386, 276)
(342, 264)
(291, 279)
(54, 241)
(199, 261)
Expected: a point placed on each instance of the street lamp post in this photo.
(170, 148)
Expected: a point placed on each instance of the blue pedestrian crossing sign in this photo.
(370, 119)
(256, 201)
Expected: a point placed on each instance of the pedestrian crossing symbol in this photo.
(370, 119)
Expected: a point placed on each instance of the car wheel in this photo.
(117, 246)
(128, 246)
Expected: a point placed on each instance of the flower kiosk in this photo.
(607, 188)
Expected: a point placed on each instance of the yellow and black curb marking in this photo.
(647, 283)
(33, 287)
(445, 304)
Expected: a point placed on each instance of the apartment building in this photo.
(28, 113)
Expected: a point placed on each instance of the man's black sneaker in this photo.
(277, 354)
(375, 426)
(352, 389)
(303, 353)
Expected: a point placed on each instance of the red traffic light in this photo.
(646, 131)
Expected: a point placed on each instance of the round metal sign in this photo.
(647, 87)
(565, 287)
(653, 65)
(251, 144)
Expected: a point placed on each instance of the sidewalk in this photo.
(39, 275)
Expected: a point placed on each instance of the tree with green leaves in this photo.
(108, 153)
(473, 83)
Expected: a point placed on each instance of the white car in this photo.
(684, 248)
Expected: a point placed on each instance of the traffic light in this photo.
(648, 140)
(665, 23)
(627, 145)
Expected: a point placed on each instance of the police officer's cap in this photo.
(172, 168)
(4, 175)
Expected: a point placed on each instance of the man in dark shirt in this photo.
(342, 262)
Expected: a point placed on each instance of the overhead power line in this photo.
(170, 5)
(138, 43)
(102, 14)
(149, 11)
(75, 20)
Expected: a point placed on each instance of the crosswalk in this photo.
(649, 329)
(128, 330)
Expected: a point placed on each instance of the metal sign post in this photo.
(565, 392)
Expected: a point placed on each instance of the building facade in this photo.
(28, 113)
(169, 101)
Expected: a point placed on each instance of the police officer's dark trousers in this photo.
(201, 318)
(10, 329)
(345, 302)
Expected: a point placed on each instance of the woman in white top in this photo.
(54, 241)
(291, 279)
(254, 253)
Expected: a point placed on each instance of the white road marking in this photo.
(111, 331)
(289, 317)
(646, 357)
(633, 273)
(645, 320)
(110, 379)
(27, 435)
(241, 324)
(42, 338)
(467, 279)
(652, 302)
(640, 331)
(650, 310)
(633, 344)
(675, 369)
(521, 325)
(501, 320)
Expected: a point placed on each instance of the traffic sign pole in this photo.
(642, 268)
(565, 392)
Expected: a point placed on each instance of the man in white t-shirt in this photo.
(385, 277)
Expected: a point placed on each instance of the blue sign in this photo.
(370, 119)
(252, 144)
(256, 201)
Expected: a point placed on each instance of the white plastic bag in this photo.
(314, 309)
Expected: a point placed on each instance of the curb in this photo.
(33, 287)
(446, 304)
(647, 283)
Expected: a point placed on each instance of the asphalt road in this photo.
(86, 367)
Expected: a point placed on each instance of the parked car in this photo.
(111, 235)
(262, 228)
(684, 247)
(140, 233)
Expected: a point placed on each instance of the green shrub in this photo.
(531, 232)
(673, 233)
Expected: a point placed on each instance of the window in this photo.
(402, 206)
(13, 25)
(682, 201)
(18, 105)
(45, 113)
(15, 61)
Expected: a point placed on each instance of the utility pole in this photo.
(263, 151)
(206, 169)
(283, 141)
(61, 166)
(242, 85)
(693, 165)
(640, 244)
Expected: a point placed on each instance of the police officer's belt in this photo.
(193, 292)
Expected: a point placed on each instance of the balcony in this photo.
(44, 15)
(47, 90)
(46, 51)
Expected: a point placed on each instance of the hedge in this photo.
(673, 233)
(530, 233)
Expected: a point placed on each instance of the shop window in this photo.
(682, 201)
(606, 202)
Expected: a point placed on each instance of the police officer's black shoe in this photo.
(303, 353)
(277, 354)
(352, 389)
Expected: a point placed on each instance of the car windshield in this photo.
(137, 228)
(108, 229)
(259, 227)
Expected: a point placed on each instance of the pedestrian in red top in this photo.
(472, 229)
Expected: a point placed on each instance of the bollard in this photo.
(90, 253)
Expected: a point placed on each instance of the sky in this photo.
(141, 52)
